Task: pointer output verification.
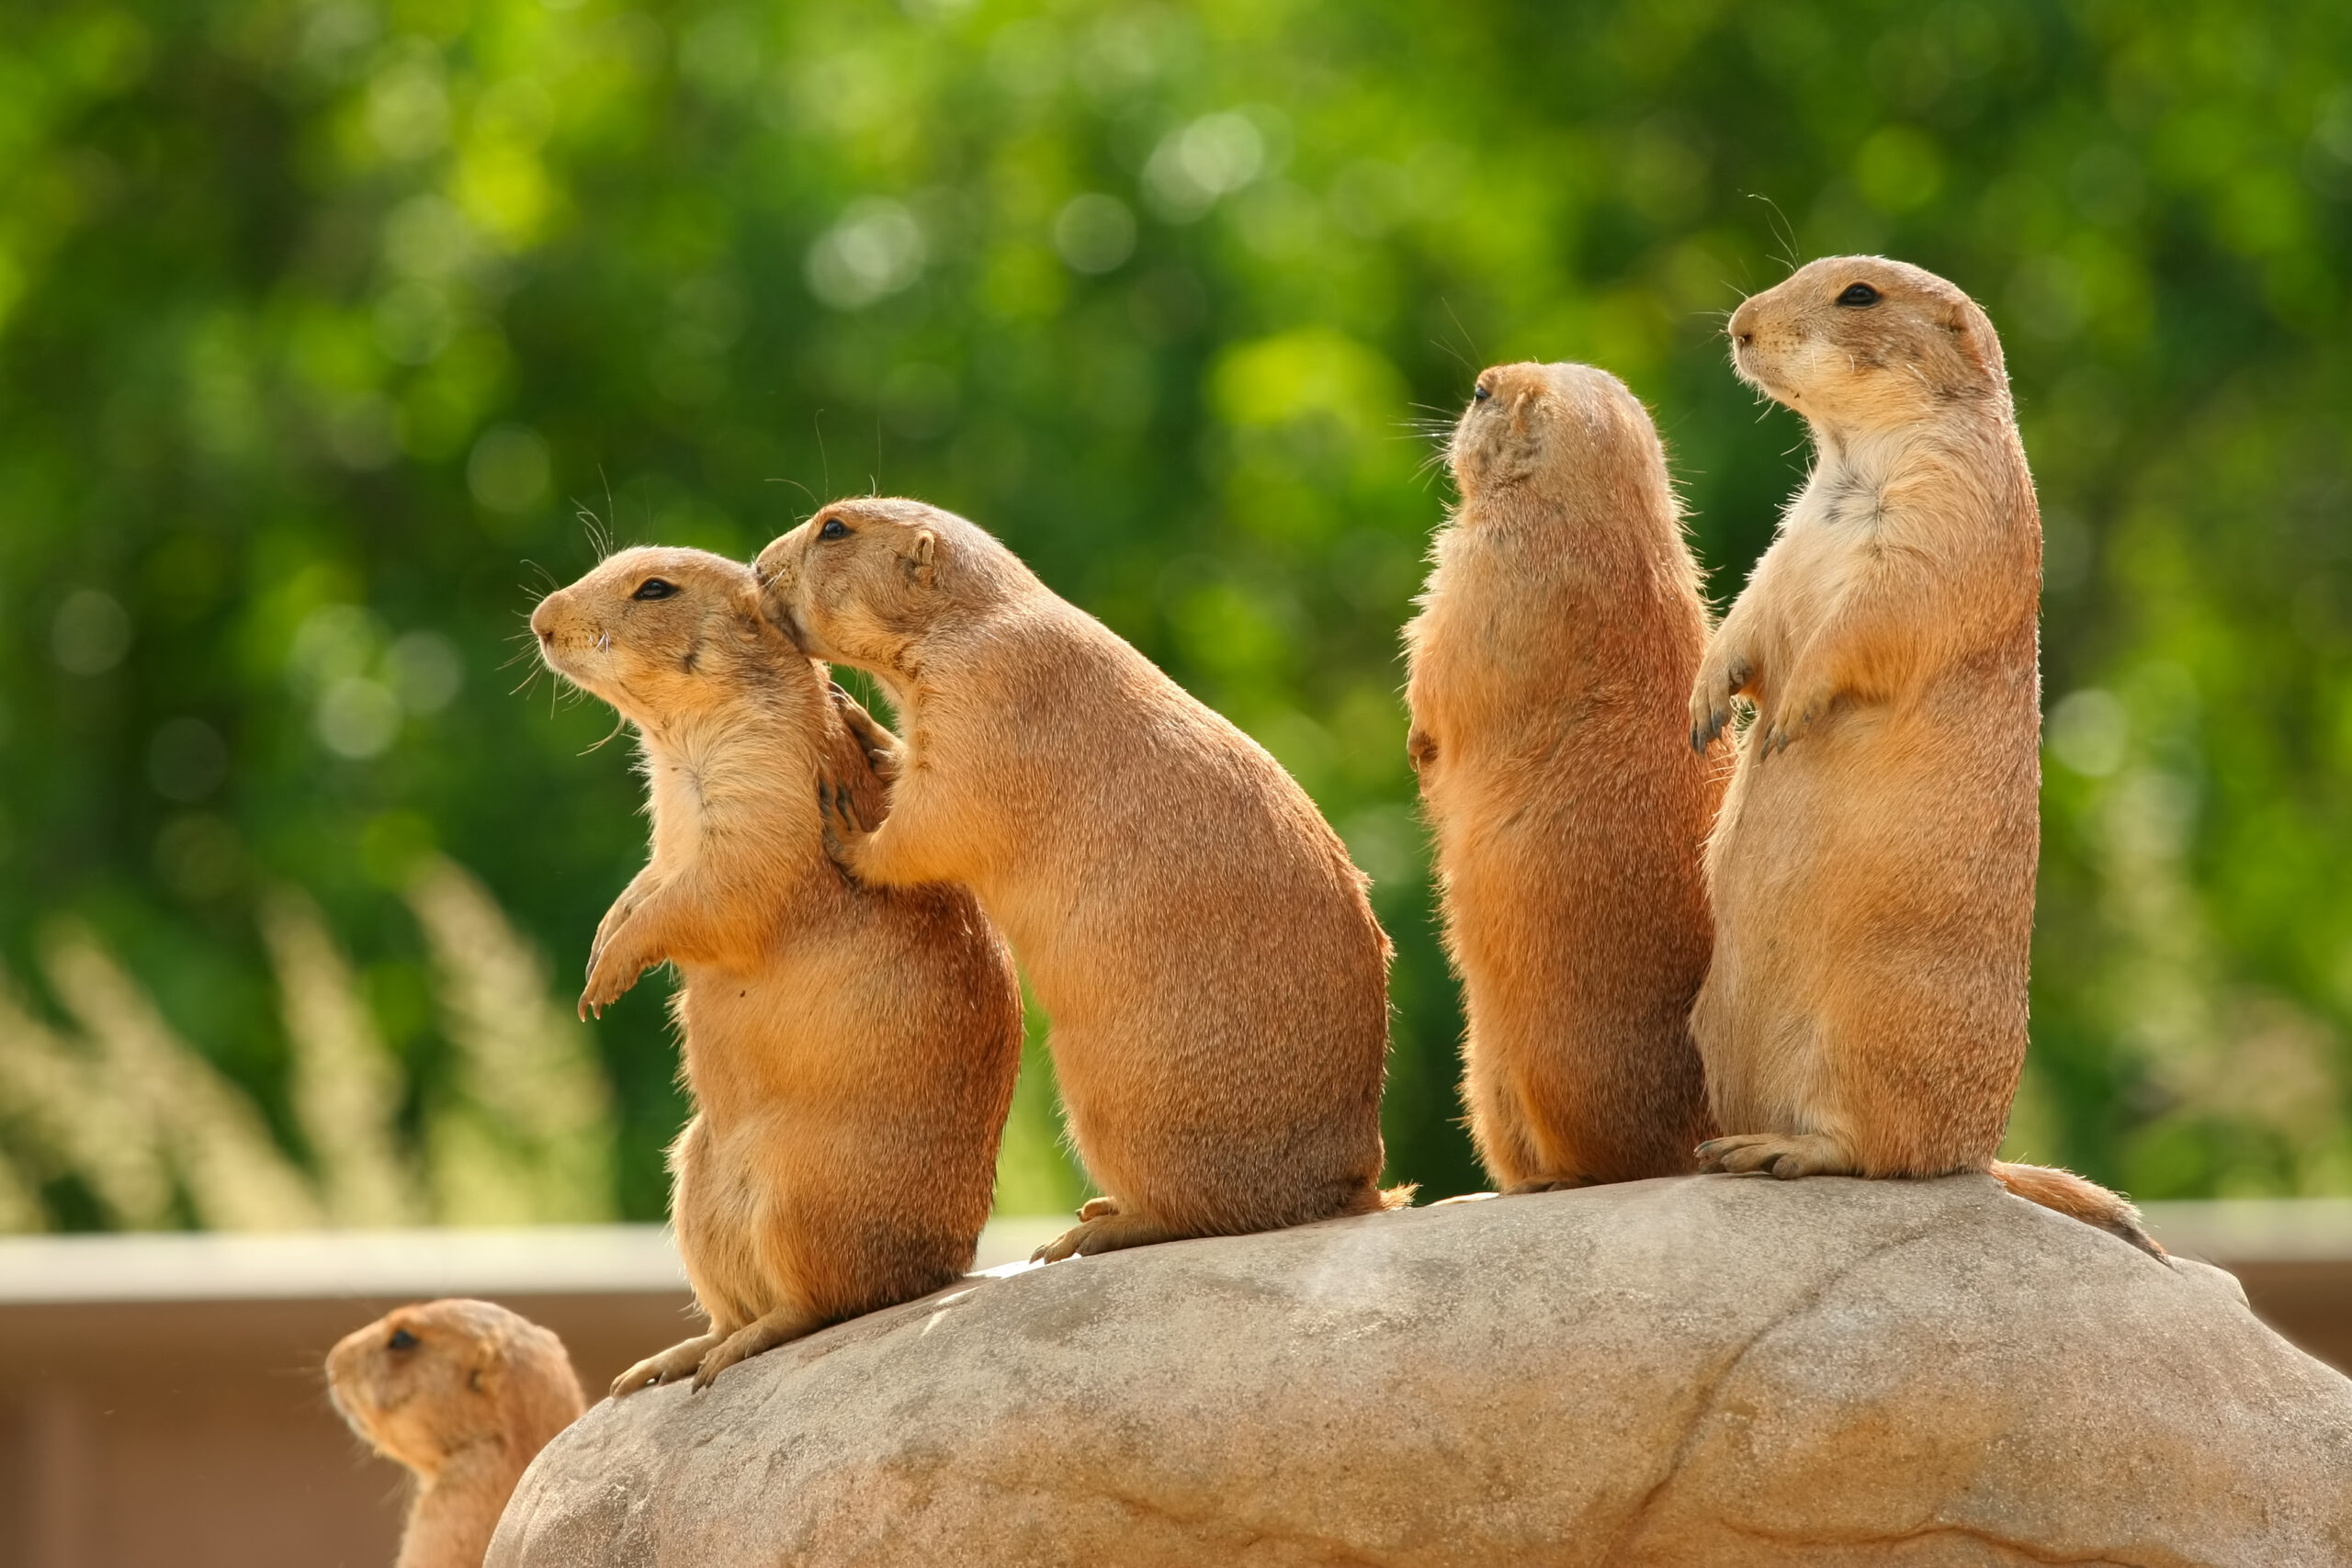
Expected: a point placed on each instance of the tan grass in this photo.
(531, 1138)
(124, 1104)
(235, 1175)
(346, 1087)
(62, 1118)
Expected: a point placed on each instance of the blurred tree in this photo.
(324, 321)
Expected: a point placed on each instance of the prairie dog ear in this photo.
(1972, 334)
(488, 1373)
(918, 558)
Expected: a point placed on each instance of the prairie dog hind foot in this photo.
(781, 1326)
(1103, 1227)
(705, 1356)
(1547, 1184)
(1784, 1156)
(668, 1367)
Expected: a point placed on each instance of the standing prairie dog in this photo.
(851, 1051)
(464, 1394)
(1874, 868)
(1216, 979)
(1551, 664)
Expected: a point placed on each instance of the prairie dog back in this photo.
(1873, 869)
(1205, 950)
(1551, 666)
(851, 1051)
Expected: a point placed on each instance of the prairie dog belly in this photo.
(1885, 860)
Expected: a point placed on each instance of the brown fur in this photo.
(1557, 641)
(464, 1393)
(851, 1051)
(1874, 868)
(1217, 984)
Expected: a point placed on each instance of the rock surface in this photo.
(1709, 1371)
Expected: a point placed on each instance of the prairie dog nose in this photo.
(543, 620)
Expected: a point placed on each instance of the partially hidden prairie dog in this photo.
(851, 1050)
(1216, 981)
(1872, 869)
(1551, 664)
(464, 1393)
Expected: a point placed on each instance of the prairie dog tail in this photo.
(2071, 1195)
(1370, 1200)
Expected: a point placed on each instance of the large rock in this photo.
(1716, 1370)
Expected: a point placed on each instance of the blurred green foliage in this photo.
(322, 321)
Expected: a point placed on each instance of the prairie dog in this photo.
(1551, 665)
(1873, 870)
(851, 1051)
(1216, 979)
(464, 1394)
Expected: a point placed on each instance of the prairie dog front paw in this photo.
(619, 960)
(844, 831)
(1723, 675)
(615, 918)
(1420, 748)
(885, 753)
(1789, 721)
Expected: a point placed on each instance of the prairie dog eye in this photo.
(401, 1339)
(1859, 294)
(655, 588)
(832, 528)
(1482, 391)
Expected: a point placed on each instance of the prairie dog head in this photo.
(1568, 433)
(426, 1382)
(864, 581)
(1868, 343)
(666, 634)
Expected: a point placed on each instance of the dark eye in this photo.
(832, 528)
(401, 1339)
(655, 588)
(1482, 391)
(1859, 294)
